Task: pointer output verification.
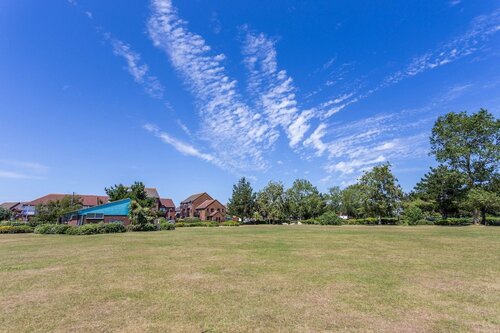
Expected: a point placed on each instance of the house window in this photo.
(95, 216)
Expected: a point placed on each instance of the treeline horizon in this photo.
(465, 183)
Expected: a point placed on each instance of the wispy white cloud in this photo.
(453, 3)
(14, 169)
(16, 175)
(235, 133)
(182, 147)
(183, 127)
(481, 29)
(138, 70)
(274, 88)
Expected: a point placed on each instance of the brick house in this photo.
(168, 207)
(203, 206)
(211, 210)
(188, 206)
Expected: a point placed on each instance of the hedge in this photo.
(166, 226)
(86, 229)
(11, 229)
(12, 223)
(143, 227)
(196, 224)
(230, 224)
(459, 221)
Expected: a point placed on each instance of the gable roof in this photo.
(194, 197)
(215, 213)
(207, 203)
(9, 205)
(167, 203)
(151, 192)
(87, 200)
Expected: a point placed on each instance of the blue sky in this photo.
(188, 96)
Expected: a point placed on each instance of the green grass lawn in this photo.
(254, 278)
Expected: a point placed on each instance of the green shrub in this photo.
(52, 229)
(413, 214)
(21, 229)
(197, 224)
(143, 227)
(493, 221)
(12, 223)
(166, 226)
(230, 224)
(309, 221)
(330, 218)
(459, 221)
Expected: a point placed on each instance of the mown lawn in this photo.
(254, 279)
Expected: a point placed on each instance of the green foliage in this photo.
(139, 214)
(484, 200)
(242, 201)
(469, 144)
(136, 192)
(461, 221)
(52, 229)
(143, 227)
(382, 193)
(197, 224)
(413, 214)
(304, 200)
(8, 229)
(230, 224)
(272, 202)
(164, 225)
(334, 199)
(330, 218)
(443, 188)
(53, 211)
(86, 229)
(352, 199)
(5, 214)
(12, 223)
(373, 221)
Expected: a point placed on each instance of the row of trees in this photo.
(465, 183)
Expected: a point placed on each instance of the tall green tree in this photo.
(304, 200)
(334, 200)
(383, 193)
(485, 201)
(136, 192)
(53, 211)
(469, 144)
(117, 192)
(352, 199)
(242, 201)
(444, 188)
(272, 202)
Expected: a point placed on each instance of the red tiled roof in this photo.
(87, 200)
(167, 203)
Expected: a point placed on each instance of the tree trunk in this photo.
(475, 216)
(379, 220)
(483, 216)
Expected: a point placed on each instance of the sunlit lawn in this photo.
(254, 278)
